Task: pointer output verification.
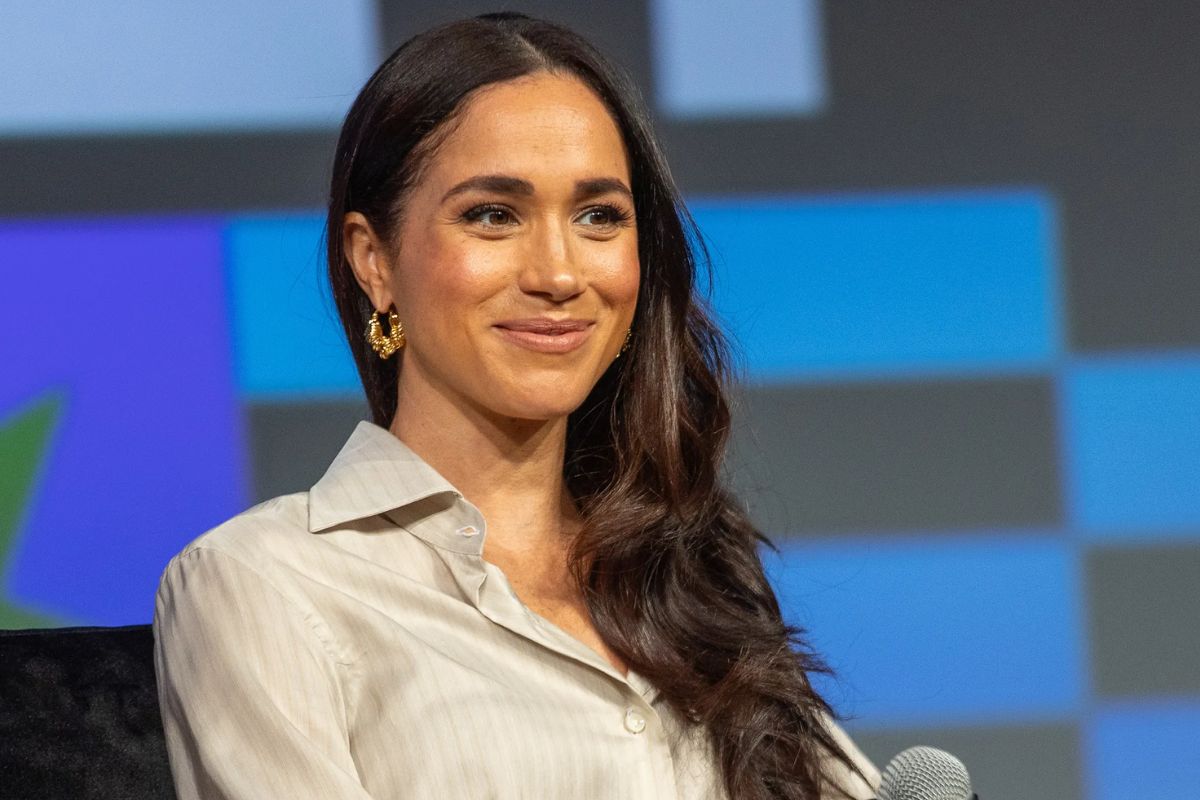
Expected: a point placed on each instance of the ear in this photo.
(368, 257)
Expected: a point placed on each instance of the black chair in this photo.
(79, 716)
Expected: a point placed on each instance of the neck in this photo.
(510, 469)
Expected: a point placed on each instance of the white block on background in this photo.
(718, 58)
(140, 65)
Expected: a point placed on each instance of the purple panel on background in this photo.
(128, 318)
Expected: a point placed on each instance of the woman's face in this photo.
(515, 266)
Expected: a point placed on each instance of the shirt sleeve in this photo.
(249, 693)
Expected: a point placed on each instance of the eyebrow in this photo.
(598, 186)
(507, 184)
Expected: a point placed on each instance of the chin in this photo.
(536, 394)
(529, 403)
(538, 411)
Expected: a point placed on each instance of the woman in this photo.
(524, 578)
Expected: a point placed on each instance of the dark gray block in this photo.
(292, 444)
(620, 28)
(931, 455)
(1143, 606)
(1021, 762)
(217, 172)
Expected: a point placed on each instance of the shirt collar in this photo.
(373, 473)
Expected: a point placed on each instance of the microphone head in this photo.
(925, 773)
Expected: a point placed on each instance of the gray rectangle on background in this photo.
(199, 172)
(930, 455)
(292, 444)
(1143, 609)
(1006, 762)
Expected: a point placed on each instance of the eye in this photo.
(490, 216)
(604, 216)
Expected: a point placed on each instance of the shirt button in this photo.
(634, 721)
(468, 530)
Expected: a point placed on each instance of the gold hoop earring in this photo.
(385, 346)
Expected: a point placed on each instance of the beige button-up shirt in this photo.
(351, 642)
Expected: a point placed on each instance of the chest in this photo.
(454, 687)
(568, 612)
(463, 710)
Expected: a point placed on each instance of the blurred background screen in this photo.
(955, 243)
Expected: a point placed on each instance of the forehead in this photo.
(541, 124)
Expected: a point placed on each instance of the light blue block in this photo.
(963, 630)
(288, 341)
(1149, 749)
(74, 67)
(1131, 435)
(715, 58)
(887, 286)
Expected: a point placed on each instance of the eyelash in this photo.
(616, 214)
(476, 213)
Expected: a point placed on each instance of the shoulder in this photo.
(232, 600)
(261, 540)
(251, 572)
(258, 534)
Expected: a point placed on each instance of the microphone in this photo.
(925, 773)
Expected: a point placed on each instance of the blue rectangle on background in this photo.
(288, 340)
(72, 68)
(1144, 750)
(941, 632)
(713, 58)
(1131, 435)
(833, 287)
(132, 349)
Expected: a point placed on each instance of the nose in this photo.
(551, 269)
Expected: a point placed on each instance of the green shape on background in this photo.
(24, 444)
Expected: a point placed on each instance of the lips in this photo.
(545, 325)
(545, 335)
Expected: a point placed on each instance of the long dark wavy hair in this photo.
(667, 560)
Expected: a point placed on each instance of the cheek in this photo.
(619, 276)
(443, 280)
